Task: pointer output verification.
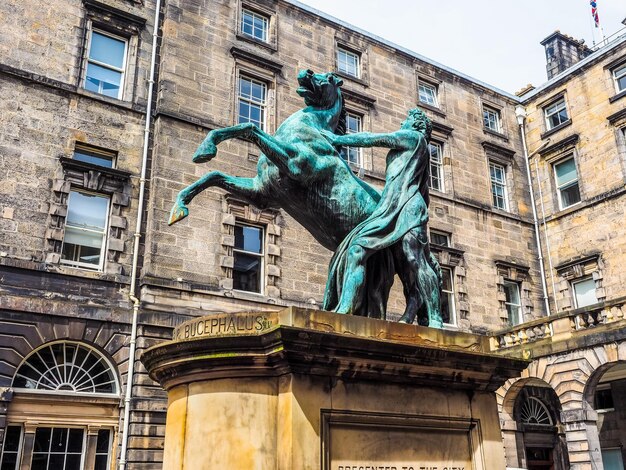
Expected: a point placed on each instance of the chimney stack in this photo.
(563, 51)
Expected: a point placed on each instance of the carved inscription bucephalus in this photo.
(224, 325)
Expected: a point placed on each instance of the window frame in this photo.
(346, 149)
(261, 256)
(435, 94)
(105, 233)
(264, 106)
(568, 184)
(122, 71)
(438, 165)
(254, 13)
(503, 184)
(29, 452)
(451, 296)
(616, 79)
(109, 453)
(439, 233)
(508, 304)
(497, 114)
(557, 110)
(601, 387)
(354, 54)
(65, 453)
(20, 445)
(578, 281)
(97, 152)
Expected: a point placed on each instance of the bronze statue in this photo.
(399, 221)
(302, 173)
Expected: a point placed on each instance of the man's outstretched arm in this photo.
(402, 139)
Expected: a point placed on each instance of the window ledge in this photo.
(498, 134)
(112, 101)
(253, 297)
(258, 42)
(498, 150)
(584, 203)
(620, 95)
(351, 78)
(554, 130)
(254, 58)
(70, 163)
(605, 410)
(431, 108)
(88, 273)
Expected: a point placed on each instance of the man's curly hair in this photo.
(421, 122)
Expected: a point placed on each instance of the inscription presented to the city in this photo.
(356, 441)
(398, 466)
(225, 324)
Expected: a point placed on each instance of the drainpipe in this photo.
(520, 114)
(137, 237)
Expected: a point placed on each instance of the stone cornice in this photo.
(498, 149)
(310, 342)
(256, 59)
(559, 146)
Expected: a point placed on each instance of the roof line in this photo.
(578, 65)
(402, 49)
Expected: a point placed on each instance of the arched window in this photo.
(535, 412)
(65, 410)
(66, 367)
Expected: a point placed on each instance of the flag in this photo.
(594, 12)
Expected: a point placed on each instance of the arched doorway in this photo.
(606, 394)
(65, 412)
(540, 440)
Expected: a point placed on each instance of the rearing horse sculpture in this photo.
(302, 173)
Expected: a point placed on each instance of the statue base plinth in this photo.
(305, 389)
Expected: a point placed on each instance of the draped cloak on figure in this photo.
(403, 206)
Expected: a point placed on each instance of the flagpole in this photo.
(596, 20)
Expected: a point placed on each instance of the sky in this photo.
(496, 41)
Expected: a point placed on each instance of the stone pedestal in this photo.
(304, 389)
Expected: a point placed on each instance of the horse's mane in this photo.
(341, 124)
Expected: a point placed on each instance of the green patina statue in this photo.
(301, 172)
(399, 221)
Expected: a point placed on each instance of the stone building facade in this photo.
(74, 81)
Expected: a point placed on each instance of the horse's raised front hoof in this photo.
(205, 152)
(178, 212)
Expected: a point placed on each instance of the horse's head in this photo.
(320, 90)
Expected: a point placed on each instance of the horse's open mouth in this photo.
(303, 91)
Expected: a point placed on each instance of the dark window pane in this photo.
(570, 195)
(75, 441)
(101, 462)
(42, 440)
(72, 462)
(439, 239)
(39, 462)
(446, 308)
(59, 440)
(247, 273)
(12, 438)
(56, 462)
(102, 445)
(9, 461)
(604, 399)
